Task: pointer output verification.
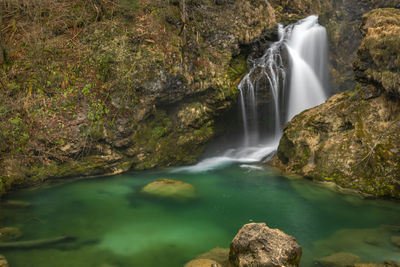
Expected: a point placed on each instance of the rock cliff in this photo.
(342, 21)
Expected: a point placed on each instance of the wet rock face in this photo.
(342, 21)
(379, 54)
(353, 139)
(258, 245)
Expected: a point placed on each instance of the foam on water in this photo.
(242, 155)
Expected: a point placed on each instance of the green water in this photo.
(117, 226)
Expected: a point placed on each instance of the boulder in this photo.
(341, 259)
(3, 261)
(9, 233)
(258, 245)
(170, 189)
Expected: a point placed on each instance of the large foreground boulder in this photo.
(258, 245)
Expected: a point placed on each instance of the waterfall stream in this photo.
(300, 84)
(308, 50)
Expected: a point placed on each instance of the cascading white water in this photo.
(269, 66)
(307, 50)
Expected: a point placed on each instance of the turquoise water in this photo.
(115, 225)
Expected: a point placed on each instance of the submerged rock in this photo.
(202, 263)
(220, 255)
(170, 189)
(3, 261)
(395, 240)
(217, 256)
(341, 259)
(258, 245)
(378, 264)
(17, 204)
(9, 233)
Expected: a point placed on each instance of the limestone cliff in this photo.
(354, 138)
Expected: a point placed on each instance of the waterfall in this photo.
(269, 66)
(308, 50)
(300, 84)
(306, 45)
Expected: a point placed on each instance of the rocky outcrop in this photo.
(342, 21)
(354, 138)
(258, 245)
(378, 61)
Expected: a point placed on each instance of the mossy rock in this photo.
(9, 233)
(341, 259)
(170, 189)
